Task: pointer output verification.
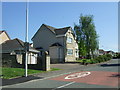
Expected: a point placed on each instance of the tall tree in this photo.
(86, 35)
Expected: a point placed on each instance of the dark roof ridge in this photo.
(50, 28)
(20, 41)
(63, 28)
(6, 33)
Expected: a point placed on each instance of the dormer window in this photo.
(69, 40)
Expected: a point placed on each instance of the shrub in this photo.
(93, 61)
(109, 56)
(98, 59)
(105, 57)
(89, 61)
(118, 55)
(84, 61)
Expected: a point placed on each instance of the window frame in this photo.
(69, 40)
(69, 52)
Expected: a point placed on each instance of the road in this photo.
(103, 75)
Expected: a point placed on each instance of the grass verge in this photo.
(9, 73)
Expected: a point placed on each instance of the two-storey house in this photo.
(59, 42)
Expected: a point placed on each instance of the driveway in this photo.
(104, 75)
(65, 66)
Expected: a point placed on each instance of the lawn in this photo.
(8, 73)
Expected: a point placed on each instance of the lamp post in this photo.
(26, 43)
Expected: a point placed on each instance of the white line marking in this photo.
(63, 85)
(66, 85)
(77, 75)
(36, 80)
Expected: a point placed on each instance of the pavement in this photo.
(75, 76)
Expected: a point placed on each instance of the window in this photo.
(69, 40)
(69, 52)
(77, 52)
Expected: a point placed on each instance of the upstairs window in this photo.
(69, 40)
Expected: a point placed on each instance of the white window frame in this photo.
(69, 51)
(69, 40)
(76, 52)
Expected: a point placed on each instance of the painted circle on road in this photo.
(77, 75)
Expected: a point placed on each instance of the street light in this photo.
(26, 42)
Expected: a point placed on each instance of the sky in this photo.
(62, 14)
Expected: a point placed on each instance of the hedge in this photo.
(98, 59)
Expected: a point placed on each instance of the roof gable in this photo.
(61, 31)
(15, 44)
(10, 45)
(46, 26)
(3, 31)
(56, 31)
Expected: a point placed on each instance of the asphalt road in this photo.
(103, 75)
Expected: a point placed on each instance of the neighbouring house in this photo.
(110, 52)
(3, 36)
(102, 52)
(59, 42)
(14, 50)
(31, 44)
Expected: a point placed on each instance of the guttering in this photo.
(62, 35)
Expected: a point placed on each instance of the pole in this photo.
(26, 41)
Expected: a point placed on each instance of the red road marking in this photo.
(96, 77)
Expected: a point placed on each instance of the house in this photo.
(102, 52)
(14, 50)
(3, 36)
(110, 52)
(59, 42)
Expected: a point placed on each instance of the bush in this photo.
(89, 61)
(118, 55)
(109, 56)
(93, 61)
(84, 61)
(103, 58)
(98, 59)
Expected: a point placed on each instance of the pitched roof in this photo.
(15, 44)
(10, 45)
(61, 30)
(109, 52)
(5, 33)
(1, 32)
(56, 31)
(50, 28)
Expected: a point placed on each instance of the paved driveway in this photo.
(65, 66)
(92, 76)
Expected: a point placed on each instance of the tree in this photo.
(86, 36)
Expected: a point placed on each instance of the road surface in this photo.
(76, 76)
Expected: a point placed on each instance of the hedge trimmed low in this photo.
(98, 59)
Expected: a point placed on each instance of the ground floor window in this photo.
(76, 52)
(69, 51)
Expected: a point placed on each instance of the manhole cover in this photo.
(77, 75)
